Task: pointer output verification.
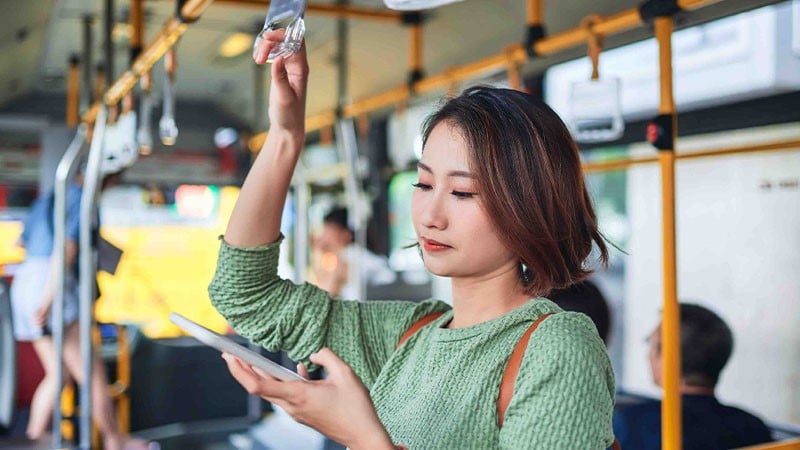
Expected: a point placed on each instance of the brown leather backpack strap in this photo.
(512, 370)
(421, 322)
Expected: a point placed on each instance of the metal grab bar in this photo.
(88, 270)
(8, 358)
(348, 149)
(64, 171)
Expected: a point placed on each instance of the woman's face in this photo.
(456, 236)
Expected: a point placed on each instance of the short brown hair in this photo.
(706, 345)
(530, 180)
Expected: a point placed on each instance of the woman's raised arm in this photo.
(256, 218)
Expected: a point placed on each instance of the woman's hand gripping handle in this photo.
(256, 218)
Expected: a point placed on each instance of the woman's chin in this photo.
(438, 270)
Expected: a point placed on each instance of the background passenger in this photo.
(585, 297)
(335, 254)
(32, 293)
(706, 345)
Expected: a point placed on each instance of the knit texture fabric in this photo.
(439, 389)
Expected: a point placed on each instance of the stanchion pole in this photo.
(670, 323)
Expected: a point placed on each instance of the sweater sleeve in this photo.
(564, 393)
(301, 319)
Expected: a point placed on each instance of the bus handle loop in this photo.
(594, 42)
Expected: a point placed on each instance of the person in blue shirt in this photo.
(706, 346)
(32, 293)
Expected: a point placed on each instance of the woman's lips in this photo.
(433, 246)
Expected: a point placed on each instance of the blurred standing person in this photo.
(335, 253)
(32, 293)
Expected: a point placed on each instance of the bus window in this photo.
(401, 229)
(168, 237)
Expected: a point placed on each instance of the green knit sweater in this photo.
(438, 390)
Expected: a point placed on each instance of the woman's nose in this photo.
(434, 214)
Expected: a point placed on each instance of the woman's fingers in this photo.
(261, 50)
(258, 382)
(287, 93)
(297, 63)
(302, 370)
(265, 42)
(241, 374)
(339, 406)
(330, 361)
(291, 72)
(280, 78)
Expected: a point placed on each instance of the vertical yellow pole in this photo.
(73, 92)
(99, 84)
(68, 411)
(670, 323)
(137, 26)
(533, 12)
(415, 49)
(513, 70)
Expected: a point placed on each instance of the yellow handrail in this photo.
(169, 34)
(613, 24)
(341, 11)
(623, 163)
(670, 315)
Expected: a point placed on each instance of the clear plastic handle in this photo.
(144, 135)
(167, 129)
(286, 15)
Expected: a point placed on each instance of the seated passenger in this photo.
(585, 297)
(706, 344)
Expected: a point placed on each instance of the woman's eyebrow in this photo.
(453, 173)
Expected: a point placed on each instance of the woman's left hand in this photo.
(338, 406)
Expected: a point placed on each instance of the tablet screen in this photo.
(227, 345)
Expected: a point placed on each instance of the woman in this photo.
(500, 207)
(32, 294)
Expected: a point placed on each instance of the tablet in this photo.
(227, 345)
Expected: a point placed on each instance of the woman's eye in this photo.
(422, 186)
(461, 194)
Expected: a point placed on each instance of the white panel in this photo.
(736, 58)
(796, 27)
(405, 134)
